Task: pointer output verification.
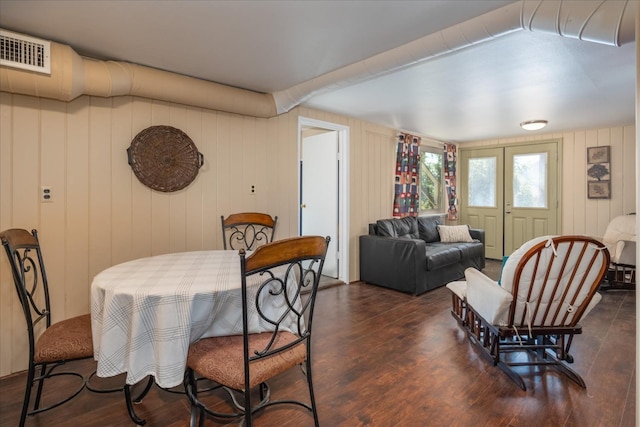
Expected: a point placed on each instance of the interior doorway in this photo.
(323, 190)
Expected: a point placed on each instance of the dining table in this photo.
(146, 312)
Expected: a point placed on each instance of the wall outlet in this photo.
(252, 190)
(46, 194)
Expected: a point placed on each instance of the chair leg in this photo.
(248, 410)
(312, 397)
(43, 370)
(191, 390)
(27, 394)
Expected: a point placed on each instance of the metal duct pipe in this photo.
(73, 75)
(596, 21)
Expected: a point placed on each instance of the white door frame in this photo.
(343, 185)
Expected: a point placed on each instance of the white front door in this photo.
(530, 193)
(319, 208)
(481, 197)
(511, 192)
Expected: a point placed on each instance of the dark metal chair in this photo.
(247, 230)
(51, 345)
(242, 364)
(547, 286)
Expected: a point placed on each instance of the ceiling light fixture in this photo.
(533, 124)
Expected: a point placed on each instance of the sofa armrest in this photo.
(477, 233)
(392, 262)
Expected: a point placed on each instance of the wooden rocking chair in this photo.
(547, 286)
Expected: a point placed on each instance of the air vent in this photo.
(27, 53)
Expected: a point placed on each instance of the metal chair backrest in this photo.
(287, 270)
(30, 279)
(555, 281)
(247, 230)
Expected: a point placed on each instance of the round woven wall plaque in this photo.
(164, 158)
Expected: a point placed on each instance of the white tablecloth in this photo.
(146, 312)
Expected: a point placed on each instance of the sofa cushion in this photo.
(428, 228)
(404, 228)
(454, 233)
(442, 254)
(471, 250)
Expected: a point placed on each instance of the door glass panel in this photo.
(530, 180)
(482, 182)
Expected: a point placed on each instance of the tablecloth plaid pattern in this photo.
(146, 312)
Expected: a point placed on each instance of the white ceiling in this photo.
(480, 92)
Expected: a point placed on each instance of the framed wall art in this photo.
(599, 189)
(598, 154)
(598, 172)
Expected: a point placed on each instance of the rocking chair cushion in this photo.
(509, 267)
(459, 288)
(621, 228)
(625, 252)
(546, 257)
(490, 300)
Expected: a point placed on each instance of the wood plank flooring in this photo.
(383, 358)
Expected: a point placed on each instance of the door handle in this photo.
(302, 206)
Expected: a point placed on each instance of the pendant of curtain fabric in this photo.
(406, 198)
(450, 180)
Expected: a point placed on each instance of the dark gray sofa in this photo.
(406, 254)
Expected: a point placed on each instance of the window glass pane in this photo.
(530, 180)
(431, 184)
(482, 182)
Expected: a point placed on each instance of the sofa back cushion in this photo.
(405, 228)
(428, 228)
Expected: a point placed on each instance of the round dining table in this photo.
(146, 312)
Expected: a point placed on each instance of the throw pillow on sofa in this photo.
(454, 233)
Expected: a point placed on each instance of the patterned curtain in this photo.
(450, 180)
(407, 198)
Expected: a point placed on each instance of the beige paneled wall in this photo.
(102, 215)
(581, 215)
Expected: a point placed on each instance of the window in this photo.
(482, 182)
(530, 180)
(431, 180)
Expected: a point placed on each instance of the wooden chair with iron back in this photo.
(530, 319)
(247, 230)
(283, 270)
(51, 345)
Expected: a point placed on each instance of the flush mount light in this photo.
(533, 124)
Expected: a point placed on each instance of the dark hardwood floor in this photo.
(383, 358)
